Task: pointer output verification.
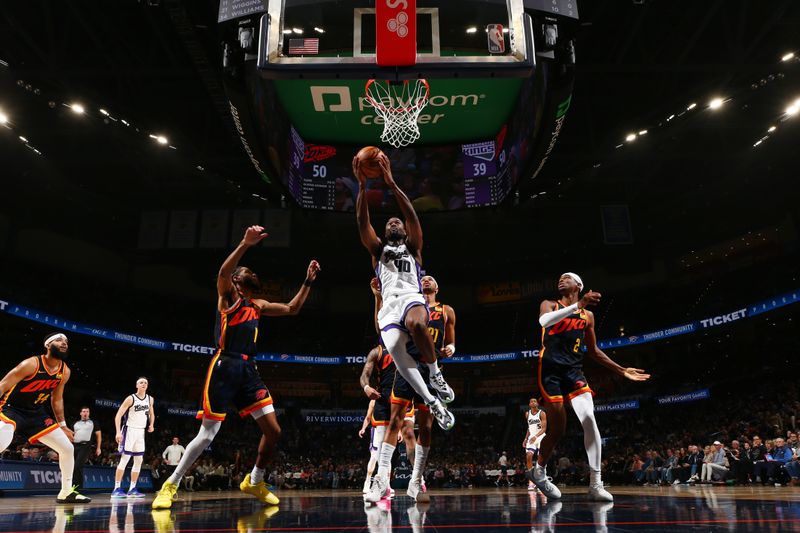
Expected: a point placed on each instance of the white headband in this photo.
(53, 338)
(432, 279)
(576, 277)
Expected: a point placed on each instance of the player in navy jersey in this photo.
(568, 333)
(232, 376)
(32, 405)
(403, 319)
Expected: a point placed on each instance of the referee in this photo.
(83, 429)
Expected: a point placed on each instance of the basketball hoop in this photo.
(399, 105)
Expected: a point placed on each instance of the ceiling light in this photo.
(691, 106)
(161, 139)
(3, 118)
(716, 103)
(630, 137)
(298, 31)
(793, 109)
(472, 29)
(643, 132)
(287, 31)
(125, 122)
(788, 56)
(319, 30)
(77, 109)
(23, 139)
(670, 117)
(771, 129)
(104, 112)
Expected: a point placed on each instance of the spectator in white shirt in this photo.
(172, 454)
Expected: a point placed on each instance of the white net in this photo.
(399, 105)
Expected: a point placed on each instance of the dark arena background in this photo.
(650, 147)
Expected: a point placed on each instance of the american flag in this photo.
(304, 46)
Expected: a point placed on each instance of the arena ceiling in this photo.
(690, 180)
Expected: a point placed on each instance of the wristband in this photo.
(307, 282)
(63, 423)
(452, 347)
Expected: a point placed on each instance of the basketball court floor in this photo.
(514, 509)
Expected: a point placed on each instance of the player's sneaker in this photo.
(259, 490)
(443, 417)
(164, 497)
(598, 493)
(72, 496)
(445, 392)
(416, 492)
(119, 492)
(367, 484)
(531, 486)
(378, 490)
(539, 477)
(134, 493)
(391, 493)
(422, 484)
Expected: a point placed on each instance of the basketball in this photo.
(368, 161)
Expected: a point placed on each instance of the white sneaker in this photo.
(676, 482)
(378, 490)
(544, 483)
(367, 484)
(391, 493)
(443, 417)
(416, 492)
(444, 390)
(598, 493)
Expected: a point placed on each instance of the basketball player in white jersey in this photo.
(536, 420)
(137, 409)
(403, 316)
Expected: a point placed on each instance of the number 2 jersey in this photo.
(563, 342)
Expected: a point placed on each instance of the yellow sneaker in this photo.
(259, 490)
(164, 497)
(162, 521)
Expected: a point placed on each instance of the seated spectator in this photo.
(782, 455)
(718, 464)
(667, 471)
(734, 457)
(759, 458)
(653, 471)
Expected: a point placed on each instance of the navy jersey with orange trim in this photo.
(563, 342)
(386, 369)
(236, 329)
(436, 322)
(33, 392)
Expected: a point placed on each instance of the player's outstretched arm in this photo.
(634, 374)
(449, 332)
(57, 402)
(24, 369)
(413, 227)
(367, 233)
(294, 306)
(252, 236)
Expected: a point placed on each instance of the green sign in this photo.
(458, 110)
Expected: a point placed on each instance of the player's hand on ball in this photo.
(360, 176)
(375, 285)
(386, 168)
(635, 374)
(254, 235)
(313, 269)
(590, 298)
(371, 393)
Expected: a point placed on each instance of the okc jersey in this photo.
(398, 272)
(137, 414)
(562, 342)
(534, 422)
(236, 329)
(436, 323)
(33, 392)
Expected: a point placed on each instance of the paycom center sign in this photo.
(458, 110)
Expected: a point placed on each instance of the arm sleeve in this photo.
(554, 317)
